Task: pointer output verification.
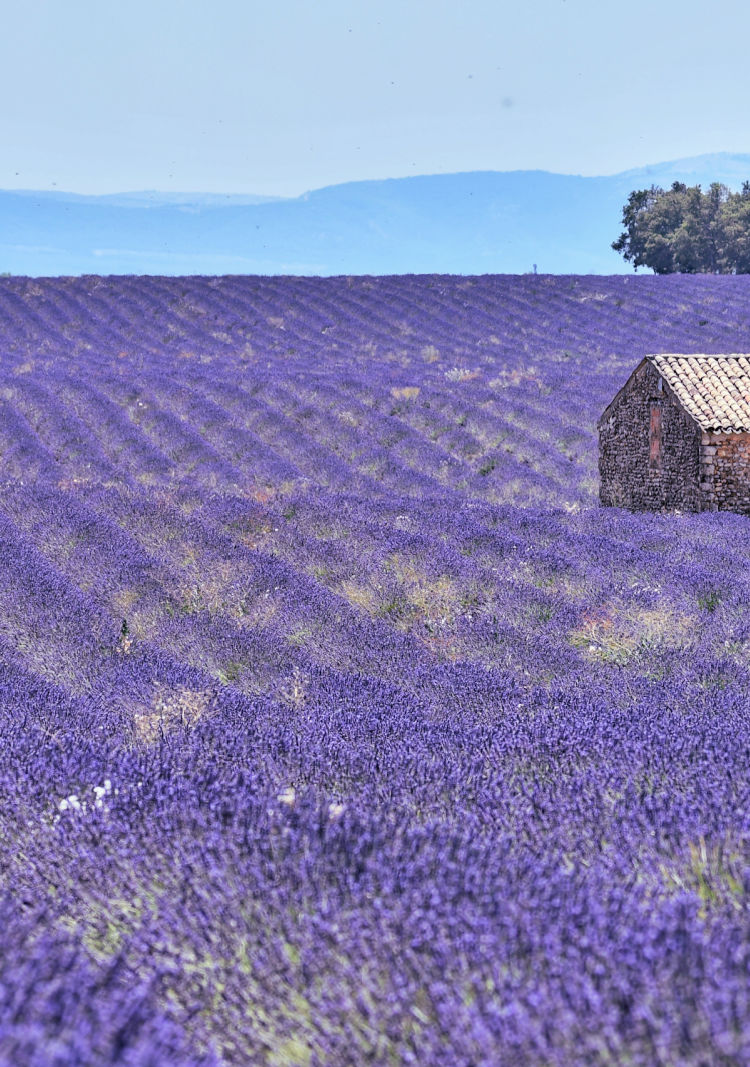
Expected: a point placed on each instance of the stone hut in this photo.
(677, 436)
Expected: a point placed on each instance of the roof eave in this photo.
(605, 414)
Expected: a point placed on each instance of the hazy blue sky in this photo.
(282, 96)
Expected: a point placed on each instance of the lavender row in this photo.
(337, 723)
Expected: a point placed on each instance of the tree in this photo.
(736, 217)
(685, 230)
(644, 241)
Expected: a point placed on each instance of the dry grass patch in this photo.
(405, 392)
(711, 870)
(293, 690)
(430, 596)
(350, 419)
(362, 595)
(517, 376)
(170, 708)
(430, 354)
(616, 633)
(206, 585)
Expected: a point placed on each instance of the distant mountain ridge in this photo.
(479, 222)
(150, 198)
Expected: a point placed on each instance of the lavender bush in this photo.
(338, 723)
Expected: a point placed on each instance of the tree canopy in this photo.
(684, 230)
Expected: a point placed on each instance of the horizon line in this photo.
(276, 197)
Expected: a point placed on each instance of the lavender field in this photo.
(338, 724)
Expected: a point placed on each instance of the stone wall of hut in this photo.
(649, 449)
(725, 472)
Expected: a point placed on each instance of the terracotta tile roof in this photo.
(715, 390)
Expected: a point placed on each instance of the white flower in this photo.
(336, 810)
(102, 790)
(287, 796)
(458, 374)
(72, 803)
